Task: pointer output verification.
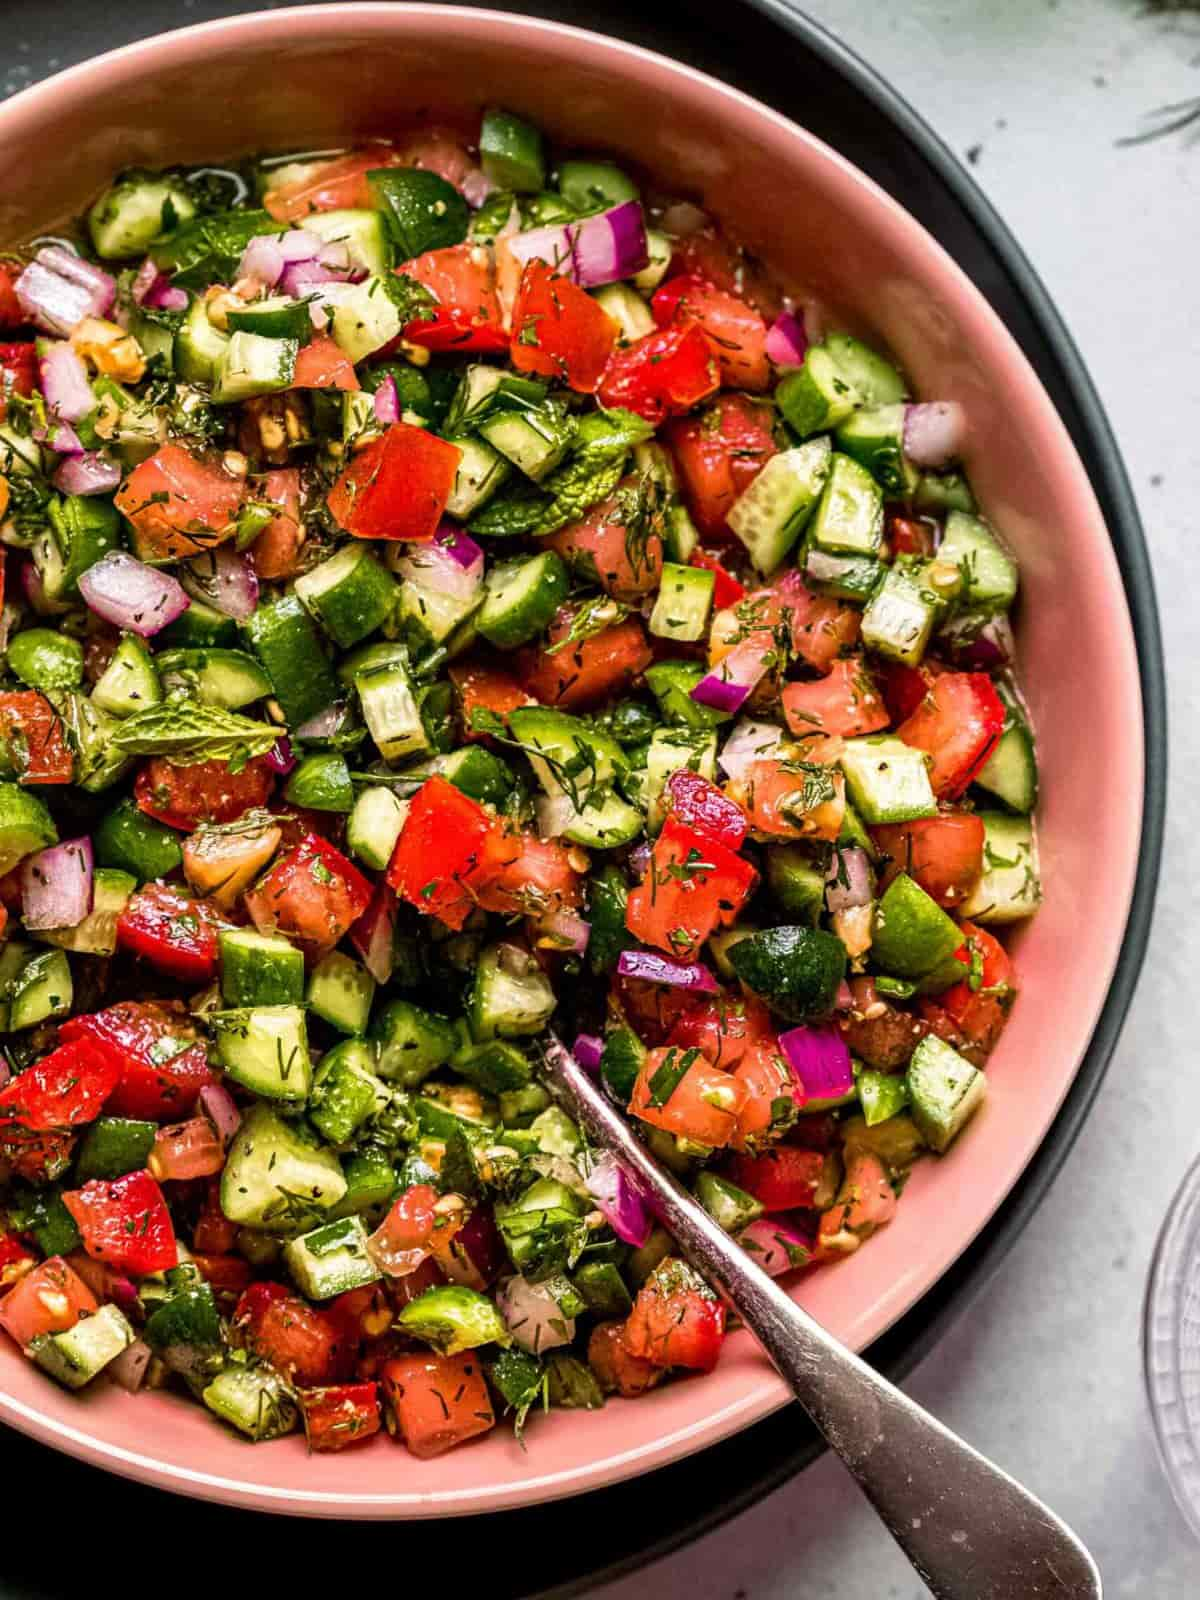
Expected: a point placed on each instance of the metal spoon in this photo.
(970, 1530)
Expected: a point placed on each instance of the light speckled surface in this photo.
(1044, 1371)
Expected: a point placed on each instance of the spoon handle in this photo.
(971, 1531)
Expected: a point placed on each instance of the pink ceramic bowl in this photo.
(330, 74)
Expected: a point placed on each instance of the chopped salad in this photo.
(452, 592)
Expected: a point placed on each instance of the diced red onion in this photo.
(59, 288)
(730, 683)
(6, 1071)
(34, 591)
(458, 543)
(593, 251)
(387, 401)
(787, 341)
(566, 931)
(534, 1317)
(451, 563)
(934, 432)
(653, 968)
(720, 694)
(281, 759)
(60, 437)
(639, 858)
(616, 1196)
(131, 595)
(587, 1050)
(374, 934)
(555, 814)
(982, 644)
(849, 881)
(225, 579)
(56, 885)
(90, 473)
(843, 1000)
(476, 187)
(820, 1061)
(145, 278)
(219, 1106)
(778, 1244)
(129, 1368)
(300, 276)
(478, 1242)
(64, 382)
(263, 259)
(164, 296)
(749, 742)
(322, 724)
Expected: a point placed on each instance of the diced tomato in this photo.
(363, 1318)
(719, 454)
(944, 854)
(534, 883)
(707, 253)
(489, 688)
(617, 1369)
(782, 804)
(663, 374)
(300, 1341)
(727, 591)
(222, 863)
(397, 486)
(50, 1299)
(782, 1178)
(442, 148)
(341, 182)
(404, 1239)
(600, 548)
(125, 1222)
(449, 847)
(772, 1097)
(845, 702)
(462, 279)
(37, 1158)
(701, 805)
(910, 536)
(297, 822)
(437, 1402)
(205, 791)
(32, 736)
(652, 1009)
(11, 314)
(226, 1276)
(473, 1254)
(171, 931)
(822, 628)
(585, 672)
(903, 687)
(65, 1089)
(979, 1005)
(677, 1320)
(737, 332)
(275, 553)
(313, 894)
(692, 886)
(724, 1028)
(323, 364)
(186, 1150)
(163, 1066)
(558, 330)
(179, 505)
(18, 372)
(16, 1259)
(682, 1092)
(957, 724)
(213, 1234)
(340, 1415)
(865, 1201)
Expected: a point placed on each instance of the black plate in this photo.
(547, 1553)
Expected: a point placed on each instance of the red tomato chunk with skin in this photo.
(576, 675)
(162, 1065)
(63, 1090)
(204, 791)
(436, 1402)
(179, 504)
(559, 331)
(467, 316)
(449, 848)
(340, 1415)
(313, 894)
(677, 1320)
(694, 885)
(302, 1342)
(50, 1299)
(396, 486)
(32, 736)
(172, 932)
(680, 1091)
(125, 1223)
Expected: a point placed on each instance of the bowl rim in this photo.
(1131, 558)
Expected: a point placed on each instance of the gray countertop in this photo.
(1043, 1372)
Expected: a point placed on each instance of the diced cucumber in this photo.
(575, 761)
(671, 683)
(675, 750)
(475, 771)
(351, 594)
(887, 779)
(184, 1330)
(277, 1178)
(259, 969)
(512, 153)
(341, 991)
(428, 615)
(134, 843)
(134, 211)
(943, 491)
(913, 936)
(875, 439)
(849, 517)
(882, 1095)
(96, 935)
(627, 309)
(421, 209)
(321, 782)
(13, 957)
(797, 970)
(989, 572)
(371, 1181)
(838, 376)
(602, 1289)
(1010, 772)
(390, 710)
(200, 627)
(494, 1066)
(730, 1207)
(770, 515)
(660, 250)
(44, 659)
(364, 233)
(374, 825)
(331, 1260)
(453, 1318)
(483, 389)
(41, 989)
(945, 1089)
(99, 762)
(684, 603)
(282, 635)
(250, 365)
(844, 577)
(155, 332)
(796, 883)
(367, 316)
(83, 529)
(277, 316)
(594, 185)
(875, 380)
(521, 599)
(900, 616)
(480, 472)
(511, 995)
(1010, 887)
(227, 678)
(25, 826)
(254, 1400)
(265, 1049)
(347, 1091)
(130, 681)
(412, 1042)
(75, 1357)
(113, 1146)
(537, 1226)
(199, 347)
(535, 441)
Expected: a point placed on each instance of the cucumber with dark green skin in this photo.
(228, 678)
(83, 529)
(796, 883)
(185, 1331)
(258, 969)
(608, 896)
(351, 595)
(113, 1146)
(284, 638)
(371, 1181)
(43, 1214)
(620, 1063)
(321, 782)
(913, 936)
(602, 1289)
(412, 1042)
(796, 970)
(200, 627)
(423, 211)
(494, 1066)
(44, 659)
(346, 1092)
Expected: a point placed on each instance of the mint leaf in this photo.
(187, 731)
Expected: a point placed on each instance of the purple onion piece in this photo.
(778, 1244)
(90, 473)
(820, 1061)
(934, 432)
(281, 759)
(225, 579)
(131, 595)
(849, 881)
(64, 382)
(587, 1050)
(56, 885)
(615, 1195)
(650, 967)
(720, 694)
(58, 289)
(787, 341)
(219, 1107)
(387, 401)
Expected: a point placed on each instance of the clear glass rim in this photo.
(1177, 1439)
